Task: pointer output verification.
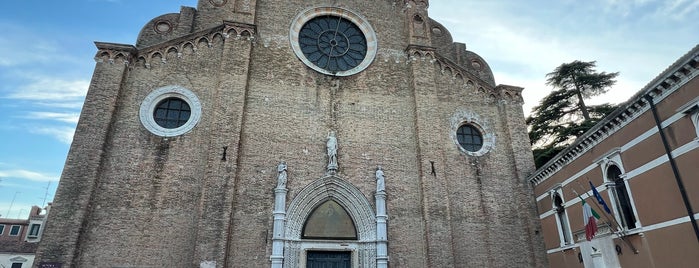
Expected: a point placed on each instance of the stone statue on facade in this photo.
(380, 180)
(332, 151)
(281, 176)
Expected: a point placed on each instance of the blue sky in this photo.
(47, 50)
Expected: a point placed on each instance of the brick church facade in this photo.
(258, 133)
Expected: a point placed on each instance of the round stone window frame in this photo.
(158, 24)
(151, 102)
(475, 121)
(358, 20)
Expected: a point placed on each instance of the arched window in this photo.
(622, 202)
(562, 219)
(329, 221)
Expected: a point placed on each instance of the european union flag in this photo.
(599, 198)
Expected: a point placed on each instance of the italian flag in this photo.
(590, 217)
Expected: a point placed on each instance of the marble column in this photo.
(381, 218)
(279, 213)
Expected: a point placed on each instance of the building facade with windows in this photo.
(647, 178)
(19, 238)
(295, 134)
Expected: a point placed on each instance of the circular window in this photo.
(469, 138)
(333, 41)
(471, 133)
(170, 111)
(163, 26)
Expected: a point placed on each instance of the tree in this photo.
(562, 116)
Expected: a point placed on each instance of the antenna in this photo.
(46, 194)
(12, 203)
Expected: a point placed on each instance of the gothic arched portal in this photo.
(329, 221)
(325, 195)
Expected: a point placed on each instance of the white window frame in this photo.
(19, 231)
(30, 228)
(613, 158)
(692, 110)
(463, 117)
(151, 102)
(563, 227)
(2, 229)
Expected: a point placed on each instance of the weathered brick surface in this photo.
(128, 198)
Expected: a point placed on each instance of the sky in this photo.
(47, 50)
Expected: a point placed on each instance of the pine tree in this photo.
(562, 116)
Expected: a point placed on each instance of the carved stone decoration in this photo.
(150, 103)
(482, 124)
(419, 27)
(282, 176)
(510, 93)
(111, 53)
(380, 180)
(357, 206)
(381, 221)
(332, 152)
(301, 29)
(218, 3)
(188, 43)
(279, 214)
(162, 27)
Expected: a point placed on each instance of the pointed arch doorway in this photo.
(330, 223)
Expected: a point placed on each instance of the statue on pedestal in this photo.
(281, 176)
(380, 180)
(332, 151)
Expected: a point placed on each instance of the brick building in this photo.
(648, 179)
(19, 238)
(295, 134)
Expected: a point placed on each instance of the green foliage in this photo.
(543, 155)
(562, 116)
(580, 76)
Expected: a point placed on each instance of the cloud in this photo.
(62, 134)
(53, 99)
(657, 10)
(62, 117)
(523, 41)
(47, 90)
(27, 175)
(679, 9)
(21, 46)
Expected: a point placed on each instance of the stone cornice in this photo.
(510, 92)
(420, 3)
(502, 92)
(675, 76)
(111, 52)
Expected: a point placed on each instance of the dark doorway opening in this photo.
(328, 259)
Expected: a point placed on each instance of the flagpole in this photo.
(635, 251)
(600, 208)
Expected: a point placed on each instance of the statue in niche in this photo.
(380, 180)
(332, 151)
(281, 177)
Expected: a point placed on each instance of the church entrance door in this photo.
(328, 259)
